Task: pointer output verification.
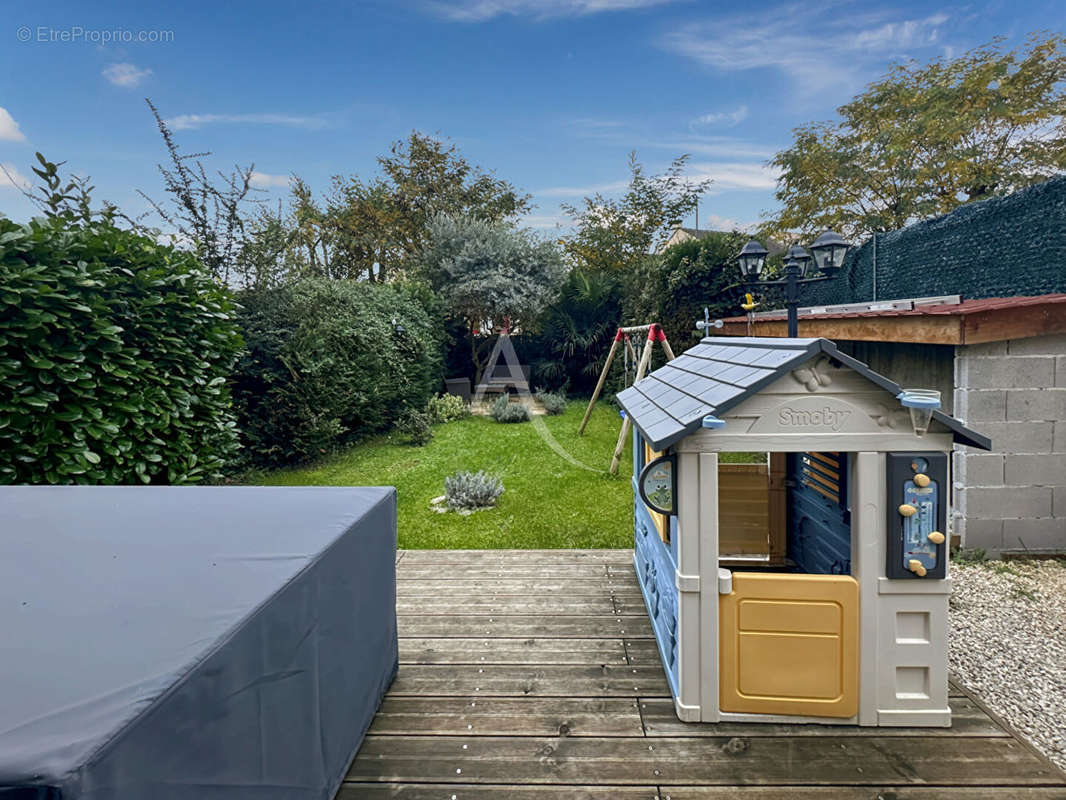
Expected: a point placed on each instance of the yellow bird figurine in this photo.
(749, 302)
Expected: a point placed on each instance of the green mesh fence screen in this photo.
(1002, 247)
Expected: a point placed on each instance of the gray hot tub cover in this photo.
(166, 643)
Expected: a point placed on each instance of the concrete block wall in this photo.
(1013, 498)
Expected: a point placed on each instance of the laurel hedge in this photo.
(114, 357)
(330, 361)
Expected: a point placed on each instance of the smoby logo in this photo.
(825, 417)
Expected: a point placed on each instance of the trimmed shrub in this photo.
(505, 411)
(554, 402)
(472, 490)
(415, 425)
(114, 355)
(329, 361)
(446, 408)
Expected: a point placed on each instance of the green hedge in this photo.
(329, 361)
(114, 354)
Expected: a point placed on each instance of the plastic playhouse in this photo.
(804, 577)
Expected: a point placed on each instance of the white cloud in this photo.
(694, 142)
(716, 222)
(11, 178)
(727, 118)
(126, 75)
(482, 10)
(264, 180)
(545, 221)
(189, 121)
(581, 191)
(816, 45)
(9, 129)
(725, 174)
(718, 147)
(734, 175)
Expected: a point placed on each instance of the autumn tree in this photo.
(925, 139)
(380, 225)
(618, 233)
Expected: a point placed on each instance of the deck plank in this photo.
(521, 586)
(535, 676)
(773, 760)
(660, 719)
(529, 680)
(467, 791)
(577, 626)
(508, 716)
(512, 651)
(408, 570)
(432, 791)
(461, 603)
(848, 793)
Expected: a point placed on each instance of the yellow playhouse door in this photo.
(789, 645)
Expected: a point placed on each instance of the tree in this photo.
(925, 139)
(617, 234)
(311, 238)
(577, 328)
(380, 226)
(365, 223)
(207, 214)
(489, 274)
(690, 276)
(264, 258)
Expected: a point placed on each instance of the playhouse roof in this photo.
(720, 372)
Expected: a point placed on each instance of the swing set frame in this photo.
(622, 336)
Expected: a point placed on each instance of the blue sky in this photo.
(551, 94)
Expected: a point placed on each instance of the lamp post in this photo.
(829, 250)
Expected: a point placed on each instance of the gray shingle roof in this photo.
(721, 372)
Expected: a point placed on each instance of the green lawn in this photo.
(547, 501)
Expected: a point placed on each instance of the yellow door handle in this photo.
(936, 537)
(907, 510)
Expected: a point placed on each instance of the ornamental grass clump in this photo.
(554, 402)
(471, 491)
(503, 410)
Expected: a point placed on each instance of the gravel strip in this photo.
(1008, 645)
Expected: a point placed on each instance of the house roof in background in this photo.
(772, 247)
(951, 321)
(720, 372)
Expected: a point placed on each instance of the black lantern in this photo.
(752, 259)
(829, 251)
(797, 258)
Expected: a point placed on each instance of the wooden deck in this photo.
(533, 675)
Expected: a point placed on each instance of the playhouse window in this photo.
(661, 521)
(748, 520)
(785, 511)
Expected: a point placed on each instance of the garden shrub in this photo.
(446, 408)
(505, 411)
(554, 402)
(114, 356)
(328, 361)
(415, 425)
(472, 490)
